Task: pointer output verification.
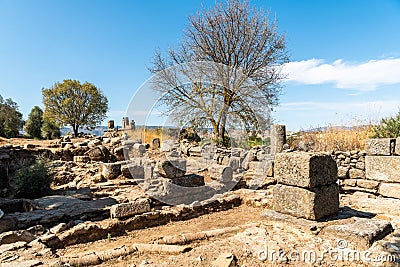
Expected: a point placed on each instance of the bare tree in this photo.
(227, 69)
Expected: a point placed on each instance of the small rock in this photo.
(225, 260)
(1, 214)
(59, 228)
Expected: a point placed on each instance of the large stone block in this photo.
(380, 146)
(220, 173)
(110, 170)
(124, 210)
(312, 204)
(359, 232)
(305, 169)
(191, 180)
(389, 190)
(382, 168)
(172, 168)
(132, 171)
(397, 146)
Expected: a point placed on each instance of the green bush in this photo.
(388, 128)
(32, 181)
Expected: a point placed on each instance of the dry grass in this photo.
(332, 138)
(147, 135)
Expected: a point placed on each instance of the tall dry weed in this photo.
(332, 138)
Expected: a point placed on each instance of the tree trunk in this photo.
(76, 130)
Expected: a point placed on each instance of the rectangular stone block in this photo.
(397, 146)
(311, 204)
(130, 209)
(382, 168)
(380, 146)
(389, 190)
(220, 173)
(305, 169)
(359, 232)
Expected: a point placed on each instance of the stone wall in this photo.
(375, 170)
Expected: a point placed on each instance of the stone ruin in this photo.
(107, 183)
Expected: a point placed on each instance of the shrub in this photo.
(32, 181)
(388, 128)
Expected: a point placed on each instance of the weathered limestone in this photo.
(191, 180)
(305, 169)
(172, 168)
(110, 170)
(278, 138)
(383, 168)
(130, 209)
(220, 173)
(225, 260)
(99, 153)
(380, 146)
(81, 159)
(306, 186)
(133, 171)
(356, 174)
(360, 232)
(390, 190)
(311, 204)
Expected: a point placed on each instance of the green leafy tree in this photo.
(388, 128)
(10, 118)
(34, 123)
(75, 104)
(50, 129)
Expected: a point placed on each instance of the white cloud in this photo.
(363, 76)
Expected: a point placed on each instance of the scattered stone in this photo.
(312, 204)
(12, 246)
(16, 236)
(380, 146)
(220, 173)
(29, 263)
(1, 214)
(133, 171)
(305, 169)
(81, 159)
(94, 143)
(119, 153)
(59, 228)
(191, 180)
(110, 170)
(172, 168)
(99, 153)
(130, 209)
(225, 260)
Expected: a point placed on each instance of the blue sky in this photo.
(345, 54)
